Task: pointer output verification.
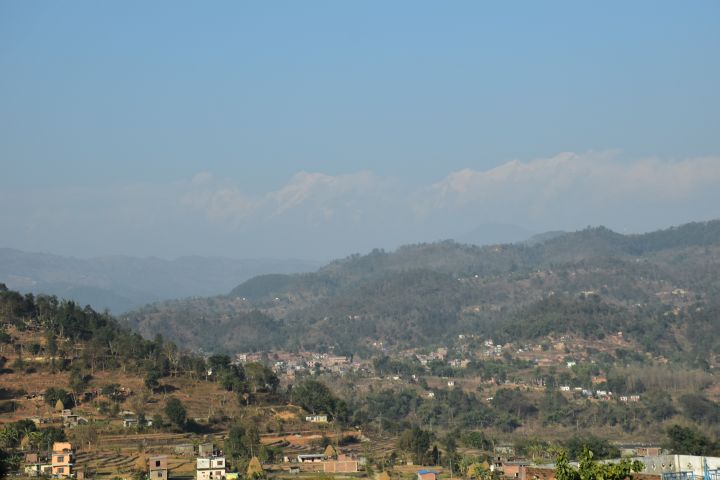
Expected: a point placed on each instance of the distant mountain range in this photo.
(661, 288)
(121, 283)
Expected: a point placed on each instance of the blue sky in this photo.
(172, 128)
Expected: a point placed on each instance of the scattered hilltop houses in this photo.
(69, 419)
(287, 363)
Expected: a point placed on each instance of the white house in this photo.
(210, 468)
(317, 418)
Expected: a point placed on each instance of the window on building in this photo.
(61, 469)
(60, 459)
(157, 463)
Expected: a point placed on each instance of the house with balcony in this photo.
(62, 460)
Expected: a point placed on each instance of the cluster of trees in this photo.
(393, 410)
(106, 345)
(252, 377)
(24, 432)
(560, 314)
(691, 441)
(316, 397)
(425, 447)
(589, 469)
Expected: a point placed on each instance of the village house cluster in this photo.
(288, 364)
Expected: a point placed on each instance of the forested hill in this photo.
(589, 282)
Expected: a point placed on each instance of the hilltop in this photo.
(661, 288)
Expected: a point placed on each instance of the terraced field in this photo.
(110, 464)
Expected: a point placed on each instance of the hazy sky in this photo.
(317, 129)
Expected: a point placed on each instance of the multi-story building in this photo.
(63, 459)
(210, 468)
(158, 467)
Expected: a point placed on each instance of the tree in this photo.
(9, 436)
(152, 380)
(218, 362)
(478, 471)
(477, 439)
(689, 441)
(53, 395)
(36, 440)
(600, 447)
(313, 396)
(699, 408)
(452, 458)
(416, 442)
(78, 383)
(175, 411)
(589, 469)
(51, 346)
(5, 460)
(86, 435)
(261, 377)
(241, 442)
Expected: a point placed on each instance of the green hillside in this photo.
(590, 283)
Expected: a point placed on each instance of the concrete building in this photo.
(37, 469)
(640, 450)
(63, 459)
(187, 449)
(210, 468)
(206, 450)
(427, 475)
(158, 467)
(310, 457)
(690, 465)
(547, 472)
(512, 469)
(317, 418)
